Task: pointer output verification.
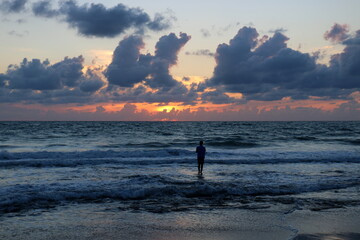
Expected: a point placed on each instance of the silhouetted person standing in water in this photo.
(200, 150)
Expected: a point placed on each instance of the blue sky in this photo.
(304, 22)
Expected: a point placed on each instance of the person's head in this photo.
(201, 142)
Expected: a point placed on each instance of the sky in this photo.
(160, 60)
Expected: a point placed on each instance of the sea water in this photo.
(151, 168)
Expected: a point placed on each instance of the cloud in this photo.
(44, 9)
(337, 33)
(2, 80)
(355, 40)
(162, 21)
(14, 33)
(37, 75)
(95, 20)
(201, 52)
(266, 69)
(91, 82)
(141, 94)
(130, 112)
(40, 82)
(205, 33)
(12, 6)
(21, 21)
(259, 67)
(146, 77)
(131, 77)
(166, 51)
(130, 67)
(344, 66)
(216, 97)
(281, 30)
(168, 47)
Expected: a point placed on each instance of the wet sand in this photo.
(342, 236)
(107, 221)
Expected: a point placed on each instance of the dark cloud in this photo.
(95, 20)
(2, 80)
(40, 81)
(355, 40)
(216, 97)
(266, 69)
(168, 47)
(91, 82)
(141, 94)
(347, 64)
(100, 109)
(166, 51)
(44, 9)
(201, 52)
(200, 87)
(37, 75)
(130, 67)
(12, 6)
(131, 77)
(337, 33)
(272, 45)
(161, 21)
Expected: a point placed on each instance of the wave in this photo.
(149, 145)
(233, 144)
(156, 189)
(8, 146)
(56, 145)
(354, 142)
(91, 154)
(306, 138)
(169, 156)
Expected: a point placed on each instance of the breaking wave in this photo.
(168, 156)
(154, 188)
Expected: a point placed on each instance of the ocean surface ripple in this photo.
(151, 166)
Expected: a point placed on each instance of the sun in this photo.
(165, 108)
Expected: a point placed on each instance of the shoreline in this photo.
(106, 221)
(340, 236)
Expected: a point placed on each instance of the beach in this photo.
(106, 221)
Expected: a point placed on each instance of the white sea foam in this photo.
(156, 188)
(169, 156)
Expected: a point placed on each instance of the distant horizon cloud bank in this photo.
(348, 111)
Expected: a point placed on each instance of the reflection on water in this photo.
(343, 236)
(200, 176)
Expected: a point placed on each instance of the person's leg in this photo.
(201, 167)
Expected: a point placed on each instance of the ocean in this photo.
(147, 171)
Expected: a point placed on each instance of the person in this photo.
(200, 150)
